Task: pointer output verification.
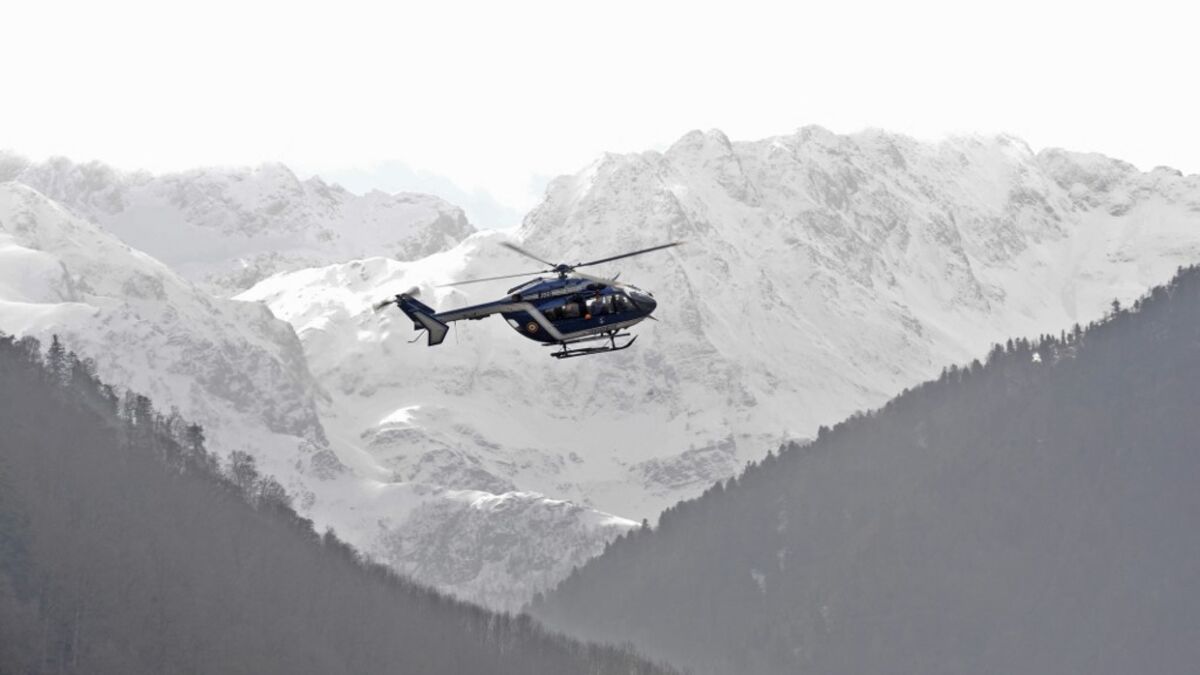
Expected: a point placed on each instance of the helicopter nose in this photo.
(648, 304)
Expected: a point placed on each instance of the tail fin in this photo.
(422, 316)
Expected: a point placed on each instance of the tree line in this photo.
(126, 546)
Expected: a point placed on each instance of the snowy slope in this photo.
(240, 372)
(822, 275)
(228, 228)
(224, 363)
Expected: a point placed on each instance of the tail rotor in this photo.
(395, 300)
(423, 316)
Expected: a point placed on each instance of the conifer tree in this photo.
(56, 361)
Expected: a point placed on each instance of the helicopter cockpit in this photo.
(609, 304)
(641, 299)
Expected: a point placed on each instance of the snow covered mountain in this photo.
(228, 228)
(241, 373)
(822, 274)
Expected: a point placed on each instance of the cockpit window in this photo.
(600, 305)
(622, 303)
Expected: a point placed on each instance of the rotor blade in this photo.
(380, 305)
(608, 282)
(631, 253)
(503, 276)
(527, 254)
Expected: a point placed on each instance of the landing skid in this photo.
(612, 346)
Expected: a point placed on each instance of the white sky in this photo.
(497, 96)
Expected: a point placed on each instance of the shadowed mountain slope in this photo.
(1034, 514)
(125, 548)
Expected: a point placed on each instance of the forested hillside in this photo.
(1034, 514)
(126, 547)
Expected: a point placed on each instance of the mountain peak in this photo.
(701, 141)
(816, 133)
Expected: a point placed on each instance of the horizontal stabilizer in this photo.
(422, 315)
(436, 329)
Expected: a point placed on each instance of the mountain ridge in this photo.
(227, 228)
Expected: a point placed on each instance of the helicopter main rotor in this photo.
(563, 269)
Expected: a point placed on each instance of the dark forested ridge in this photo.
(1035, 514)
(126, 547)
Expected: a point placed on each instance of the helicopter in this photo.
(570, 311)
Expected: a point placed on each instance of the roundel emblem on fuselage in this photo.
(532, 327)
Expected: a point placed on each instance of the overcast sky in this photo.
(498, 96)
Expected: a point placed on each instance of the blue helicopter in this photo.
(570, 311)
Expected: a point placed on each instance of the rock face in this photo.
(822, 274)
(228, 228)
(242, 374)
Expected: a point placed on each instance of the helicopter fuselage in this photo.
(558, 310)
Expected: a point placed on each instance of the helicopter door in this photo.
(571, 310)
(600, 306)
